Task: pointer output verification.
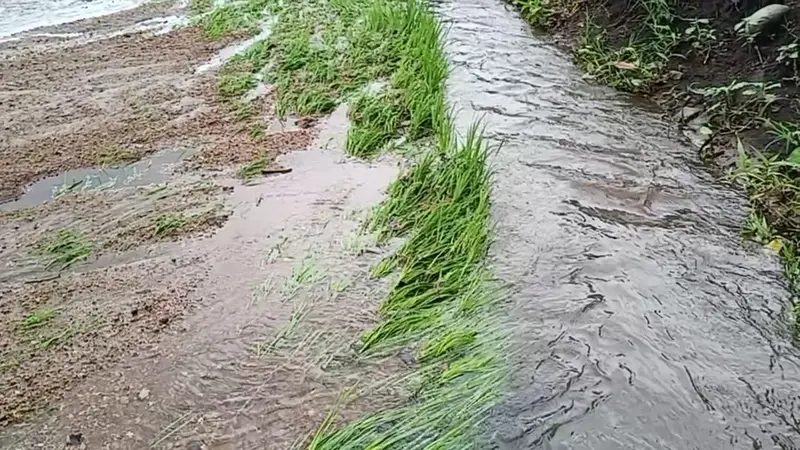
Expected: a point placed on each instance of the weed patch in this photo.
(36, 319)
(230, 18)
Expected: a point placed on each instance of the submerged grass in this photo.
(444, 306)
(64, 249)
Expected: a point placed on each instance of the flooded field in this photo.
(181, 267)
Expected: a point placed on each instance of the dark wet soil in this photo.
(727, 59)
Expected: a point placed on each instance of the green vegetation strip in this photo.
(321, 53)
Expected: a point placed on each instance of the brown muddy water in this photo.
(642, 321)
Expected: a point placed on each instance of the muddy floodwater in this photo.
(212, 313)
(642, 321)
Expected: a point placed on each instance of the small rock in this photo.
(75, 439)
(698, 122)
(762, 19)
(144, 393)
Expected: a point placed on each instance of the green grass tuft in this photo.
(36, 319)
(252, 170)
(443, 303)
(169, 224)
(64, 249)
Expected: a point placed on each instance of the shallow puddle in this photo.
(285, 292)
(156, 168)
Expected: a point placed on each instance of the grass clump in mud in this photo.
(169, 224)
(443, 305)
(254, 169)
(65, 248)
(36, 319)
(242, 17)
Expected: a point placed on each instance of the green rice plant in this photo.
(169, 224)
(376, 120)
(234, 83)
(233, 17)
(64, 249)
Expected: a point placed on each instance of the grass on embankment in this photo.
(322, 53)
(744, 85)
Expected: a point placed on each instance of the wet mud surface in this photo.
(133, 151)
(115, 100)
(642, 319)
(285, 292)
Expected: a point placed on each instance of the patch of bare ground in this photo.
(112, 221)
(91, 279)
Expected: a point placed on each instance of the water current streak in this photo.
(642, 321)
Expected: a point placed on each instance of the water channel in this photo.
(642, 319)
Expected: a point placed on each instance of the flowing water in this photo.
(642, 319)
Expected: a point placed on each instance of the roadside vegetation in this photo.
(385, 59)
(730, 77)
